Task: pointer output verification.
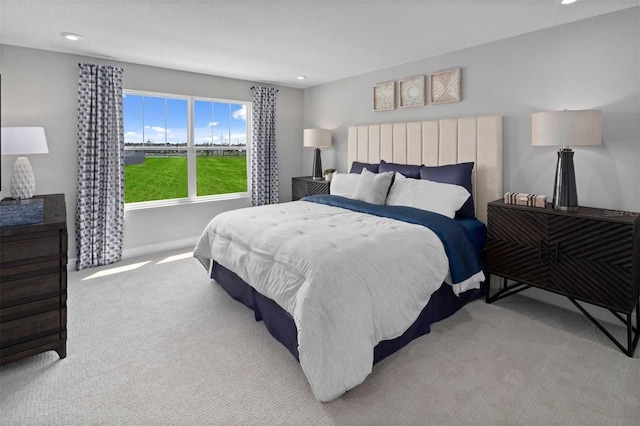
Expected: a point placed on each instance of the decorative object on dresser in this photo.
(590, 256)
(20, 212)
(445, 86)
(307, 185)
(328, 174)
(384, 96)
(23, 141)
(411, 91)
(524, 199)
(317, 138)
(33, 284)
(565, 128)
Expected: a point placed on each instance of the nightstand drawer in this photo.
(517, 261)
(602, 284)
(517, 226)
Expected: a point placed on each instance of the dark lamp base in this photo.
(565, 195)
(317, 165)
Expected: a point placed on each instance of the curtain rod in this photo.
(255, 87)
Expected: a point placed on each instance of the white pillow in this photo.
(344, 184)
(443, 198)
(373, 187)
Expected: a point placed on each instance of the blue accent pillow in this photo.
(456, 174)
(356, 167)
(407, 170)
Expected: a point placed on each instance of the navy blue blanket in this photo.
(463, 260)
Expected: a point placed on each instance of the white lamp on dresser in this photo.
(23, 141)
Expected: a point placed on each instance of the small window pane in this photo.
(177, 118)
(221, 116)
(155, 175)
(203, 123)
(154, 124)
(238, 124)
(221, 171)
(133, 124)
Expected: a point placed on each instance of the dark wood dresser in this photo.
(590, 256)
(306, 185)
(33, 284)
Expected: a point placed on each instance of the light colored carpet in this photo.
(162, 344)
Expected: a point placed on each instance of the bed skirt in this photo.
(443, 304)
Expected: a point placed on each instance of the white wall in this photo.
(593, 63)
(587, 64)
(39, 88)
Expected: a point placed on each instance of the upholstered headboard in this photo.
(437, 143)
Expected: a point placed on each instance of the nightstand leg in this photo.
(632, 337)
(505, 291)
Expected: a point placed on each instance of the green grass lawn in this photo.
(165, 178)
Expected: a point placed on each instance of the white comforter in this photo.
(348, 279)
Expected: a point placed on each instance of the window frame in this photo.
(191, 150)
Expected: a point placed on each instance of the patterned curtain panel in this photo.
(264, 161)
(100, 205)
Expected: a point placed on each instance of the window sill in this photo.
(184, 201)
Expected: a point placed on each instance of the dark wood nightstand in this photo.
(590, 256)
(305, 185)
(33, 284)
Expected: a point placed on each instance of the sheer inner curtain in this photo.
(264, 161)
(100, 205)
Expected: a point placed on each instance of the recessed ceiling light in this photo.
(568, 1)
(71, 36)
(302, 77)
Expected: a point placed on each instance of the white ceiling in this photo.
(275, 41)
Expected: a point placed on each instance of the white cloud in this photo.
(214, 123)
(241, 114)
(160, 129)
(131, 134)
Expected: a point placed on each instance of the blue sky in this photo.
(215, 122)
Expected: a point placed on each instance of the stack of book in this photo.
(524, 199)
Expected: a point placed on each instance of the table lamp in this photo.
(564, 129)
(317, 138)
(23, 141)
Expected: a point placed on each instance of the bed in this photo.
(341, 283)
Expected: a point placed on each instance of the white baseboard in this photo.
(132, 252)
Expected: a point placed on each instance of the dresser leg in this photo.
(62, 350)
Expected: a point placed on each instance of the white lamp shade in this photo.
(23, 141)
(317, 138)
(566, 128)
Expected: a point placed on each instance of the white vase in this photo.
(328, 177)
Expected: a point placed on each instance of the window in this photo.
(181, 147)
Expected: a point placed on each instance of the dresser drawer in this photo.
(30, 246)
(32, 288)
(10, 313)
(31, 327)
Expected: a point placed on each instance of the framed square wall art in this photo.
(445, 86)
(412, 91)
(384, 96)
